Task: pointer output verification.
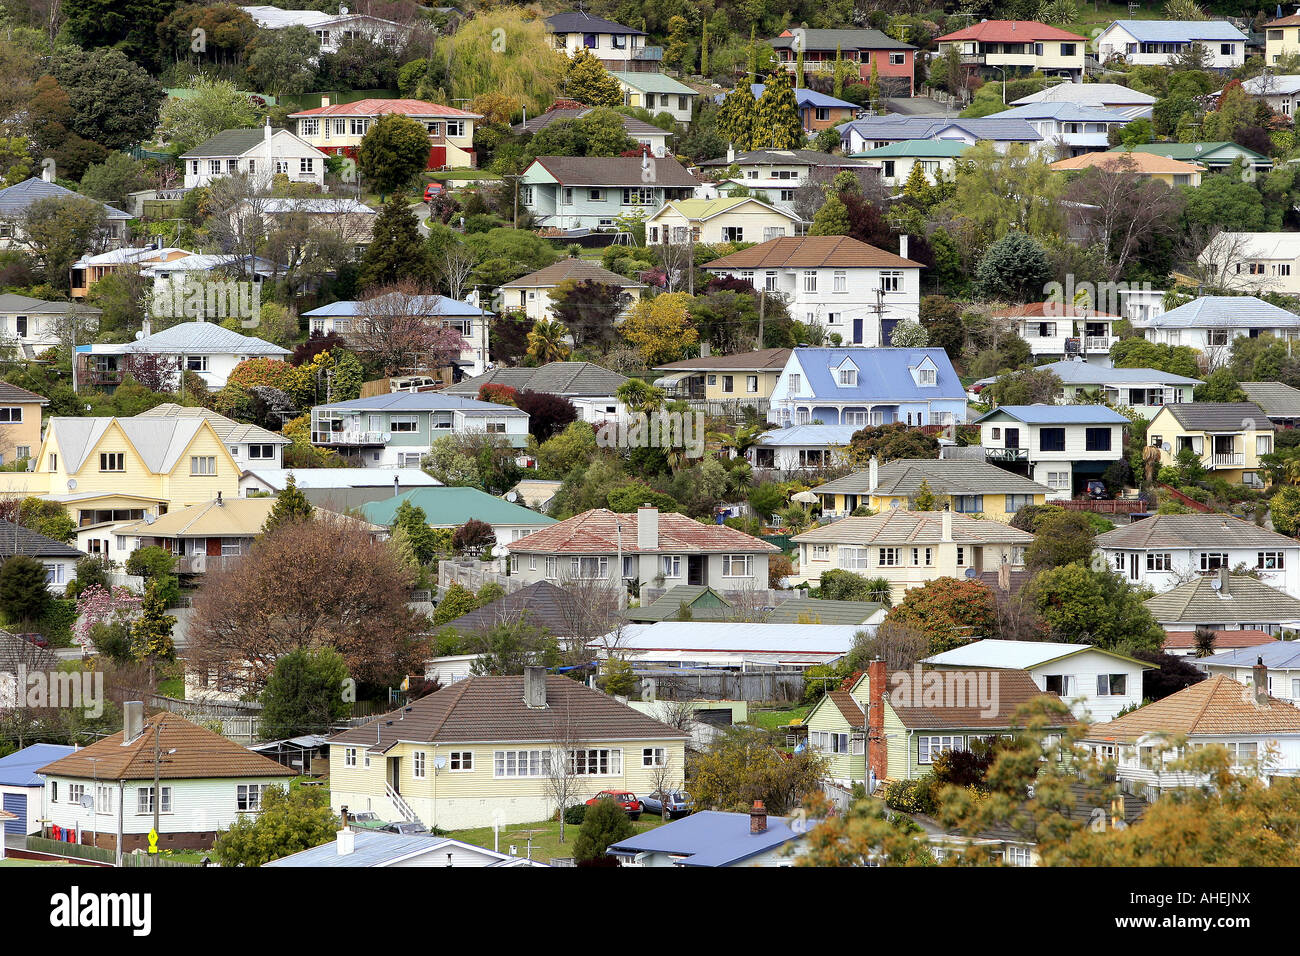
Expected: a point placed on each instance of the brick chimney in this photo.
(1225, 583)
(132, 720)
(758, 818)
(647, 528)
(535, 687)
(1259, 677)
(877, 756)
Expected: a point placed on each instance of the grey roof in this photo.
(555, 378)
(12, 393)
(897, 127)
(616, 171)
(1221, 416)
(227, 429)
(17, 539)
(542, 605)
(763, 360)
(1193, 531)
(1089, 94)
(845, 39)
(16, 652)
(1179, 31)
(1059, 414)
(710, 838)
(1064, 113)
(790, 157)
(376, 848)
(899, 526)
(230, 142)
(1016, 655)
(1280, 655)
(13, 302)
(579, 22)
(1213, 311)
(1271, 84)
(14, 200)
(1277, 400)
(194, 338)
(945, 476)
(159, 442)
(1198, 602)
(1073, 372)
(338, 478)
(632, 126)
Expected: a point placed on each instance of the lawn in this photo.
(772, 719)
(1095, 17)
(13, 861)
(545, 837)
(467, 174)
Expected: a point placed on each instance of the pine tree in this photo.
(678, 45)
(839, 72)
(924, 497)
(736, 117)
(832, 219)
(397, 250)
(753, 52)
(151, 633)
(777, 125)
(873, 87)
(587, 81)
(290, 505)
(917, 189)
(798, 66)
(704, 50)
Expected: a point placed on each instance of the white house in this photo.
(259, 154)
(592, 389)
(802, 447)
(1164, 551)
(372, 848)
(936, 157)
(1105, 96)
(657, 93)
(1067, 129)
(22, 789)
(1281, 658)
(331, 29)
(711, 838)
(616, 46)
(34, 325)
(596, 192)
(205, 348)
(1060, 446)
(1096, 683)
(1211, 323)
(531, 294)
(774, 174)
(1060, 330)
(853, 290)
(872, 132)
(1254, 261)
(1160, 42)
(729, 645)
(1145, 390)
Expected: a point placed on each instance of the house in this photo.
(1183, 643)
(645, 134)
(338, 128)
(15, 201)
(89, 269)
(536, 493)
(543, 605)
(730, 645)
(666, 548)
(1106, 96)
(397, 429)
(485, 748)
(532, 294)
(1025, 46)
(207, 783)
(1279, 91)
(714, 838)
(33, 325)
(966, 486)
(207, 349)
(872, 132)
(1162, 42)
(1254, 262)
(1211, 323)
(592, 390)
(373, 848)
(308, 753)
(1067, 129)
(593, 192)
(1281, 403)
(909, 548)
(20, 422)
(1060, 446)
(174, 280)
(252, 446)
(851, 289)
(1217, 157)
(1096, 683)
(1281, 38)
(1171, 172)
(860, 50)
(1225, 602)
(338, 489)
(1061, 330)
(369, 317)
(20, 658)
(1260, 732)
(350, 221)
(22, 789)
(259, 154)
(1145, 390)
(1281, 658)
(656, 93)
(936, 157)
(774, 174)
(715, 221)
(868, 386)
(742, 378)
(60, 559)
(331, 30)
(452, 507)
(802, 447)
(1228, 438)
(1164, 551)
(817, 111)
(616, 46)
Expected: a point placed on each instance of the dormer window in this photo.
(848, 377)
(927, 376)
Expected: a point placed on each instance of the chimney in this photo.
(47, 173)
(758, 818)
(535, 688)
(705, 350)
(132, 720)
(1004, 577)
(947, 526)
(731, 153)
(902, 245)
(1259, 677)
(877, 756)
(346, 842)
(324, 101)
(647, 528)
(873, 474)
(220, 503)
(1225, 583)
(266, 131)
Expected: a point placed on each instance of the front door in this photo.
(395, 774)
(857, 331)
(695, 569)
(1013, 437)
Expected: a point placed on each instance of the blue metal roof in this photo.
(807, 97)
(19, 768)
(1280, 655)
(1064, 113)
(1227, 310)
(884, 374)
(1178, 31)
(440, 305)
(709, 838)
(1072, 372)
(896, 126)
(814, 436)
(1059, 414)
(372, 848)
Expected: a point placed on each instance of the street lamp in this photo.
(1003, 71)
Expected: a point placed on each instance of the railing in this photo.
(346, 438)
(402, 806)
(648, 53)
(203, 563)
(1006, 454)
(1225, 461)
(84, 851)
(1099, 342)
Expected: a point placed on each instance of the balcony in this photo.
(349, 438)
(1006, 454)
(1233, 460)
(203, 563)
(648, 53)
(1098, 343)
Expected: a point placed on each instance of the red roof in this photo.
(1223, 640)
(1052, 310)
(1011, 31)
(598, 532)
(377, 107)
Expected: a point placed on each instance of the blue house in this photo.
(868, 386)
(712, 838)
(22, 789)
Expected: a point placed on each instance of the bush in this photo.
(151, 562)
(911, 796)
(575, 815)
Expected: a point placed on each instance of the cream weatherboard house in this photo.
(492, 749)
(1017, 45)
(531, 294)
(1060, 446)
(1227, 438)
(715, 221)
(338, 128)
(260, 154)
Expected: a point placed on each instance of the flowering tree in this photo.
(398, 327)
(101, 605)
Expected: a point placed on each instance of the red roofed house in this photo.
(1183, 643)
(1017, 46)
(659, 550)
(1047, 327)
(338, 129)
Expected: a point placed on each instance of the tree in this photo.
(473, 537)
(151, 632)
(1139, 353)
(941, 318)
(776, 123)
(291, 506)
(24, 596)
(412, 520)
(1060, 539)
(1219, 386)
(305, 694)
(678, 47)
(949, 611)
(48, 518)
(396, 251)
(212, 106)
(289, 821)
(588, 310)
(510, 647)
(1284, 509)
(1014, 268)
(499, 50)
(742, 765)
(995, 193)
(832, 219)
(546, 342)
(603, 133)
(587, 81)
(605, 822)
(1123, 212)
(113, 101)
(909, 335)
(887, 442)
(737, 116)
(548, 414)
(660, 327)
(111, 181)
(1083, 606)
(394, 151)
(397, 329)
(58, 230)
(282, 61)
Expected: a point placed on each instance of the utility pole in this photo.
(762, 310)
(157, 762)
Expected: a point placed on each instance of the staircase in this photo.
(401, 805)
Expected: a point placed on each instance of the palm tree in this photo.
(745, 438)
(546, 341)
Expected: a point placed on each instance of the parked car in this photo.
(39, 640)
(366, 820)
(433, 190)
(1097, 490)
(679, 803)
(403, 826)
(628, 801)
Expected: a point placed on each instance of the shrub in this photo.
(911, 796)
(575, 815)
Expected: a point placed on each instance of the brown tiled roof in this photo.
(492, 709)
(848, 707)
(1223, 640)
(1013, 688)
(12, 393)
(597, 532)
(579, 270)
(1220, 706)
(900, 526)
(811, 252)
(199, 753)
(616, 171)
(762, 360)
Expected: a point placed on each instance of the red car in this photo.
(627, 801)
(432, 190)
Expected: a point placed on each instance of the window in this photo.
(144, 800)
(1159, 561)
(897, 59)
(112, 461)
(810, 280)
(521, 763)
(1019, 855)
(751, 386)
(596, 762)
(261, 451)
(1270, 560)
(589, 568)
(1016, 502)
(796, 384)
(308, 127)
(1051, 439)
(769, 281)
(54, 574)
(306, 164)
(25, 451)
(654, 757)
(888, 557)
(1225, 49)
(461, 761)
(359, 126)
(841, 281)
(214, 167)
(922, 556)
(1097, 439)
(349, 756)
(595, 195)
(629, 566)
(819, 552)
(733, 234)
(455, 129)
(931, 747)
(11, 413)
(891, 281)
(927, 376)
(1263, 444)
(248, 797)
(1058, 684)
(418, 764)
(76, 791)
(1112, 685)
(1213, 560)
(551, 568)
(670, 565)
(496, 428)
(737, 565)
(404, 423)
(1058, 480)
(728, 383)
(196, 363)
(848, 377)
(825, 741)
(203, 465)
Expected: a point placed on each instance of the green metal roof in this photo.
(652, 83)
(931, 148)
(1190, 152)
(705, 603)
(816, 611)
(452, 507)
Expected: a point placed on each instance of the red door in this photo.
(214, 547)
(437, 157)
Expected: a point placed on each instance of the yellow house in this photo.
(1171, 172)
(725, 378)
(1227, 437)
(339, 128)
(531, 294)
(20, 422)
(1281, 38)
(491, 750)
(714, 221)
(959, 485)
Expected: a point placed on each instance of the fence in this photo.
(95, 854)
(1119, 506)
(759, 686)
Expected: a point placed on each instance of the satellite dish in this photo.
(512, 496)
(439, 762)
(387, 436)
(72, 484)
(1216, 583)
(894, 503)
(87, 801)
(971, 573)
(1167, 447)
